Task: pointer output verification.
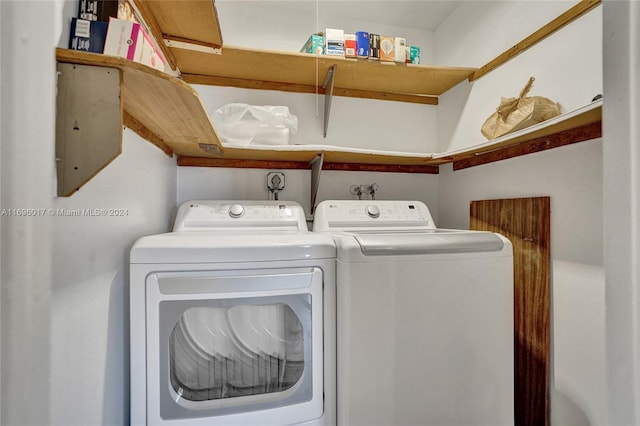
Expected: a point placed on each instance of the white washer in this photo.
(424, 318)
(233, 319)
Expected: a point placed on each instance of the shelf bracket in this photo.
(316, 169)
(88, 123)
(327, 85)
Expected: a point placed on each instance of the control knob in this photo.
(236, 210)
(372, 211)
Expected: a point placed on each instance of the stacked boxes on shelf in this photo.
(89, 29)
(363, 45)
(111, 27)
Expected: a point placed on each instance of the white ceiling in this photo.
(421, 14)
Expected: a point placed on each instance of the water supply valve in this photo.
(275, 183)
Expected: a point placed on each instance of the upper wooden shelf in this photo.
(302, 72)
(189, 34)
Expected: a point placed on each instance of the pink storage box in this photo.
(129, 40)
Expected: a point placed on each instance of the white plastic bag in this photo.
(244, 124)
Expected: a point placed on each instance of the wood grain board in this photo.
(566, 137)
(193, 21)
(304, 163)
(169, 109)
(307, 88)
(258, 67)
(526, 222)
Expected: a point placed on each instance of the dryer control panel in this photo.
(372, 214)
(199, 215)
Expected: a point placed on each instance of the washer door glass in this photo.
(234, 351)
(230, 343)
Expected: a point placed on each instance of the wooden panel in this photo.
(566, 18)
(187, 20)
(280, 164)
(300, 68)
(330, 156)
(526, 222)
(581, 117)
(304, 88)
(567, 137)
(166, 106)
(88, 123)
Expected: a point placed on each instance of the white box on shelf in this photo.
(334, 42)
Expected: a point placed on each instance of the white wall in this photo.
(572, 54)
(622, 209)
(90, 286)
(507, 21)
(572, 177)
(27, 153)
(354, 123)
(286, 25)
(249, 184)
(568, 69)
(65, 279)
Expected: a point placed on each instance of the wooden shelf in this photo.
(162, 109)
(191, 30)
(296, 72)
(168, 112)
(582, 124)
(188, 21)
(575, 126)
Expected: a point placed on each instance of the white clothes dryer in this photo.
(233, 319)
(424, 317)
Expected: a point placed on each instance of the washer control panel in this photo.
(378, 214)
(199, 215)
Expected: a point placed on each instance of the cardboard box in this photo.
(362, 44)
(399, 49)
(386, 49)
(334, 42)
(415, 55)
(315, 45)
(129, 40)
(350, 45)
(97, 10)
(374, 46)
(88, 36)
